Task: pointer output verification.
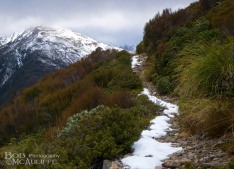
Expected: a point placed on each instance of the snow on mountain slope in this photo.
(57, 45)
(27, 56)
(5, 40)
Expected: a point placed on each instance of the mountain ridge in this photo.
(38, 51)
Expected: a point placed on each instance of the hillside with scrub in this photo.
(191, 56)
(86, 113)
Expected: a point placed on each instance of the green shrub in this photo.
(164, 85)
(222, 17)
(101, 133)
(104, 132)
(140, 48)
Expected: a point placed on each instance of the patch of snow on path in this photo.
(135, 61)
(148, 152)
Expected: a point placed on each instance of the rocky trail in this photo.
(198, 150)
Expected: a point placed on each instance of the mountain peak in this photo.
(44, 49)
(58, 31)
(53, 40)
(52, 34)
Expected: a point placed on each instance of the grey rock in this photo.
(180, 153)
(171, 164)
(148, 156)
(214, 164)
(184, 161)
(175, 163)
(106, 164)
(191, 156)
(113, 165)
(205, 159)
(215, 159)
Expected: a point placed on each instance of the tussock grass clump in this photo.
(215, 117)
(205, 78)
(206, 70)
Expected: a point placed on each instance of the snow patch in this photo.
(135, 61)
(148, 152)
(6, 76)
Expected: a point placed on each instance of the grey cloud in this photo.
(111, 21)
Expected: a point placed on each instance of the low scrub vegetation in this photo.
(86, 113)
(89, 137)
(102, 78)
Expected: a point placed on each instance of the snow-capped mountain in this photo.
(5, 40)
(130, 48)
(29, 55)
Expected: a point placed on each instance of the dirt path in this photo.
(139, 70)
(200, 151)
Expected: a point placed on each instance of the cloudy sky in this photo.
(111, 21)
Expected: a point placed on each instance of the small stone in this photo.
(171, 164)
(169, 139)
(204, 159)
(215, 159)
(175, 163)
(214, 164)
(117, 165)
(184, 161)
(148, 156)
(106, 164)
(221, 155)
(213, 156)
(180, 153)
(191, 156)
(189, 147)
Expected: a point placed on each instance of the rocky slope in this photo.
(25, 57)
